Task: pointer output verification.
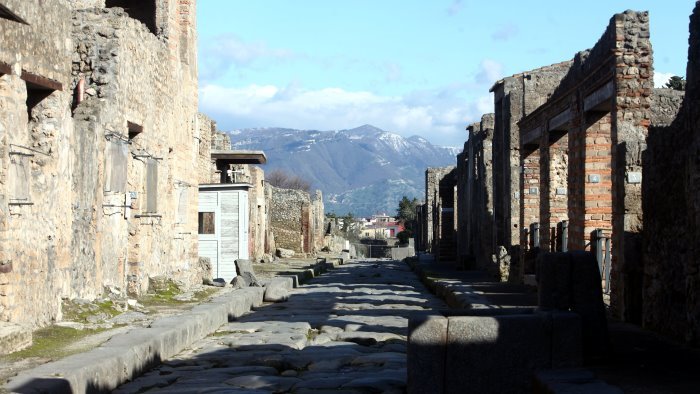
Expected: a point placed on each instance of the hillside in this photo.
(362, 170)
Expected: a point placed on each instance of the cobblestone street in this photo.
(345, 330)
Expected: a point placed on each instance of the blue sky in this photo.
(414, 67)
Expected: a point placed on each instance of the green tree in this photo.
(347, 221)
(406, 213)
(675, 83)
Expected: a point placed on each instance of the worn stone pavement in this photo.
(342, 332)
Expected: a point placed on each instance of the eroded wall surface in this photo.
(36, 129)
(296, 219)
(97, 153)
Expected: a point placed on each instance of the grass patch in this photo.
(52, 343)
(311, 334)
(205, 294)
(162, 297)
(81, 312)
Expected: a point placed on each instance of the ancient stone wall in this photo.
(317, 219)
(586, 143)
(141, 89)
(464, 253)
(482, 225)
(35, 170)
(259, 219)
(671, 205)
(205, 128)
(106, 213)
(515, 97)
(433, 180)
(296, 219)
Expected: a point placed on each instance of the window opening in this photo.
(206, 223)
(143, 11)
(134, 130)
(35, 95)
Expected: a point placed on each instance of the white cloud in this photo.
(489, 72)
(660, 78)
(441, 119)
(226, 51)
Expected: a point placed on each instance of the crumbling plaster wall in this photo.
(205, 128)
(35, 262)
(133, 76)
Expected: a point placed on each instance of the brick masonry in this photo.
(514, 98)
(584, 141)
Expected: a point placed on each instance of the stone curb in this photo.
(318, 268)
(456, 294)
(127, 355)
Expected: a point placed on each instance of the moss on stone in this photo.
(53, 343)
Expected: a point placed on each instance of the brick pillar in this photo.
(598, 175)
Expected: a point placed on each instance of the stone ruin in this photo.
(97, 150)
(589, 186)
(297, 220)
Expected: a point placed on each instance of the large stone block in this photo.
(496, 354)
(571, 282)
(14, 337)
(427, 340)
(277, 289)
(489, 350)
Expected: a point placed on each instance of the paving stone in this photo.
(266, 382)
(344, 331)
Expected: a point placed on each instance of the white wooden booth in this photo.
(223, 226)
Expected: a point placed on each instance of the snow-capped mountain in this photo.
(362, 170)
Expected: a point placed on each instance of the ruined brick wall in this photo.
(589, 136)
(35, 168)
(515, 97)
(671, 205)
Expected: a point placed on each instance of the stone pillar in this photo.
(631, 115)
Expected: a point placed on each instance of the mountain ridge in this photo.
(362, 170)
